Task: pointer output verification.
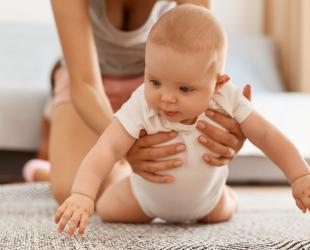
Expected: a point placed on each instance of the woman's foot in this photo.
(36, 170)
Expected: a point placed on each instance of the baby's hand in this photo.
(301, 192)
(78, 209)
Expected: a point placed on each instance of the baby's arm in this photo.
(111, 147)
(283, 153)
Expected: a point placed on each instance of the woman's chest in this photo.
(127, 15)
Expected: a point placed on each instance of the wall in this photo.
(238, 16)
(26, 11)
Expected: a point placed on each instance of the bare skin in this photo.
(111, 206)
(90, 112)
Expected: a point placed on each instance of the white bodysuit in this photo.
(197, 187)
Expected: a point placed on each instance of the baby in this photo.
(185, 56)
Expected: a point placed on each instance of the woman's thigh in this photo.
(71, 138)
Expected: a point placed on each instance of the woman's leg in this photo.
(118, 204)
(71, 138)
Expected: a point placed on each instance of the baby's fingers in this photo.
(83, 223)
(64, 219)
(59, 213)
(74, 222)
(300, 205)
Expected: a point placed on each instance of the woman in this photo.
(103, 45)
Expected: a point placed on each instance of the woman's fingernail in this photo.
(168, 179)
(180, 148)
(201, 125)
(203, 139)
(206, 158)
(210, 113)
(177, 163)
(172, 134)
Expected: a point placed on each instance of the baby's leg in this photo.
(225, 208)
(117, 204)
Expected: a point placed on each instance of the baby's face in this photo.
(178, 85)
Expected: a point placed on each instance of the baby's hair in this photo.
(190, 28)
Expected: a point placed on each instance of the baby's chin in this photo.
(180, 119)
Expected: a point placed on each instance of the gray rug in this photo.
(266, 220)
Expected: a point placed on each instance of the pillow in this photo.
(252, 59)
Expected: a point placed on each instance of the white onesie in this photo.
(197, 187)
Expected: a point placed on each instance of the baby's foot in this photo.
(225, 208)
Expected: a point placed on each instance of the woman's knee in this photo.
(60, 192)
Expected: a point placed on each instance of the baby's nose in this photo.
(168, 97)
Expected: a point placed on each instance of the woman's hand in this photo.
(143, 156)
(226, 144)
(76, 210)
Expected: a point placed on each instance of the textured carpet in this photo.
(266, 220)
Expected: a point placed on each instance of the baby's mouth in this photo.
(170, 113)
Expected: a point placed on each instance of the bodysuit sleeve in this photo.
(232, 101)
(130, 114)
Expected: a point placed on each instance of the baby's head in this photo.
(185, 55)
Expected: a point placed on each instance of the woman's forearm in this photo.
(79, 49)
(92, 105)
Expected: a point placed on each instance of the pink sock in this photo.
(32, 166)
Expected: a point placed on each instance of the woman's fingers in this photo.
(155, 177)
(160, 152)
(216, 147)
(154, 166)
(214, 161)
(226, 121)
(247, 92)
(220, 136)
(64, 219)
(151, 140)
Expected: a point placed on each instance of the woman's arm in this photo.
(276, 146)
(77, 41)
(224, 143)
(79, 206)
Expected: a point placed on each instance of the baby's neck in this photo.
(190, 121)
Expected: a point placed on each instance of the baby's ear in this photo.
(221, 80)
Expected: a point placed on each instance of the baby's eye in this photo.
(155, 83)
(185, 89)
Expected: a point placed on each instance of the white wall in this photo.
(238, 16)
(26, 11)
